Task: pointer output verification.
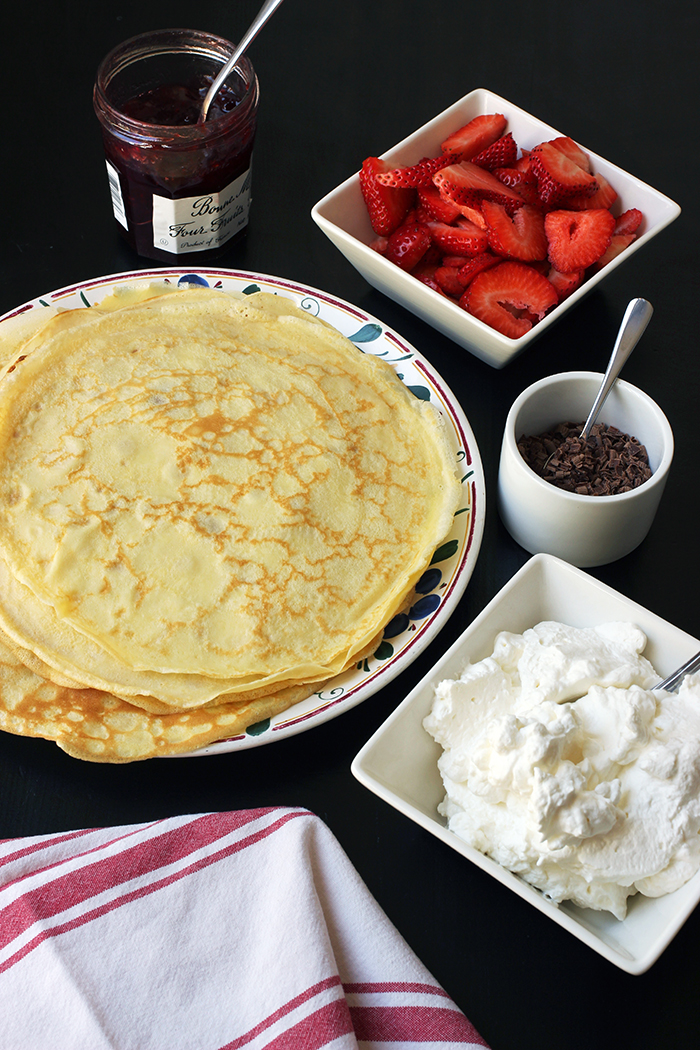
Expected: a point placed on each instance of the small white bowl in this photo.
(584, 530)
(399, 762)
(342, 216)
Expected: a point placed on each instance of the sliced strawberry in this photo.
(407, 245)
(541, 265)
(448, 279)
(577, 238)
(523, 182)
(415, 175)
(618, 243)
(603, 197)
(428, 278)
(557, 176)
(387, 207)
(523, 162)
(432, 258)
(428, 264)
(422, 215)
(499, 296)
(466, 183)
(565, 283)
(500, 154)
(628, 222)
(474, 214)
(475, 136)
(379, 244)
(520, 237)
(478, 264)
(438, 207)
(573, 151)
(465, 239)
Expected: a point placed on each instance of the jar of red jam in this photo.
(180, 186)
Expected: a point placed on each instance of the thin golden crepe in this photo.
(99, 727)
(209, 500)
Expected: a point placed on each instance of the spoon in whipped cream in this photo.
(671, 683)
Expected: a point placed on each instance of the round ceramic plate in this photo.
(443, 583)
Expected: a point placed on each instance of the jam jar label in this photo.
(203, 222)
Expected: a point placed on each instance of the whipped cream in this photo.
(562, 765)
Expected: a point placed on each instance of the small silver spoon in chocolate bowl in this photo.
(266, 11)
(637, 317)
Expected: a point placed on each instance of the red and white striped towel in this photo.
(235, 930)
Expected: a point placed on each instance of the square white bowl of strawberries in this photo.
(488, 224)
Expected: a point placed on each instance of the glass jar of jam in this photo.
(180, 186)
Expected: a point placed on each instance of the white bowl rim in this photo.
(657, 478)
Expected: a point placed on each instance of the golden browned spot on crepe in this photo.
(207, 501)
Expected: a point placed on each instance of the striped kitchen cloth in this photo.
(248, 929)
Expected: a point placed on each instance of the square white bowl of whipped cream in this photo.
(537, 745)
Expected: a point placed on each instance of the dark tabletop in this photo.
(340, 82)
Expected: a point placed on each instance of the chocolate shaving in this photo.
(606, 463)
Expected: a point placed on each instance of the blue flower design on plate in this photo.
(367, 334)
(192, 278)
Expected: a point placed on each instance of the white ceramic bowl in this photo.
(342, 216)
(399, 762)
(584, 530)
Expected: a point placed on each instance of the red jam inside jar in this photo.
(180, 187)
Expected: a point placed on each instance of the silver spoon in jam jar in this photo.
(266, 11)
(636, 318)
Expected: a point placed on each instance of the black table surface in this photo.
(339, 83)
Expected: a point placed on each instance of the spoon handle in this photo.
(674, 679)
(637, 317)
(265, 12)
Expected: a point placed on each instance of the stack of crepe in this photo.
(210, 507)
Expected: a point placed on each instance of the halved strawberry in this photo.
(573, 151)
(523, 182)
(466, 183)
(618, 243)
(475, 136)
(478, 264)
(465, 239)
(438, 207)
(415, 175)
(387, 207)
(499, 296)
(628, 222)
(577, 238)
(565, 283)
(603, 197)
(520, 237)
(500, 154)
(557, 176)
(407, 245)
